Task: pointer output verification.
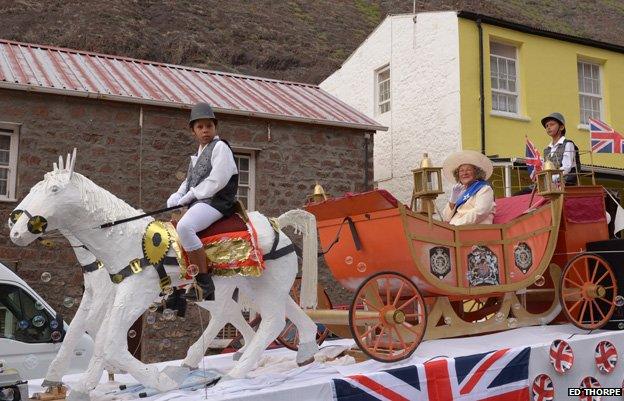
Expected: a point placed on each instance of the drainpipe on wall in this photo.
(366, 138)
(481, 86)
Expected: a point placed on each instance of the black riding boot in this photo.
(204, 282)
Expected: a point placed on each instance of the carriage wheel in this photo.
(588, 291)
(388, 317)
(289, 337)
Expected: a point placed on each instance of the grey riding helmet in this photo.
(201, 110)
(557, 117)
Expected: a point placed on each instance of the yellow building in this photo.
(528, 73)
(444, 81)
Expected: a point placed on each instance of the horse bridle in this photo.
(36, 224)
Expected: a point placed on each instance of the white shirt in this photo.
(569, 155)
(223, 168)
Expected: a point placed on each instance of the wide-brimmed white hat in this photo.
(456, 159)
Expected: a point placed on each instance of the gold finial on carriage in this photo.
(427, 185)
(546, 185)
(319, 193)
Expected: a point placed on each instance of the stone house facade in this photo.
(139, 151)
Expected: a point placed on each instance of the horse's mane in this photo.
(103, 205)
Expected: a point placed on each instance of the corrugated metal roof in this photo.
(49, 69)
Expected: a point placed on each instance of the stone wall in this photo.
(139, 165)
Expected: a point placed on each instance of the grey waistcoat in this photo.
(557, 156)
(225, 198)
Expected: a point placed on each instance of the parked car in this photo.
(31, 332)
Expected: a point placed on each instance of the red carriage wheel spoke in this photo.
(591, 312)
(574, 283)
(583, 310)
(398, 295)
(575, 305)
(595, 271)
(602, 277)
(388, 291)
(379, 336)
(610, 303)
(367, 332)
(408, 301)
(571, 291)
(593, 301)
(364, 301)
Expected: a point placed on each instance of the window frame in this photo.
(599, 96)
(12, 130)
(378, 102)
(251, 194)
(504, 92)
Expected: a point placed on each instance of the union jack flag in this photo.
(590, 382)
(606, 356)
(605, 139)
(532, 159)
(561, 356)
(493, 376)
(542, 389)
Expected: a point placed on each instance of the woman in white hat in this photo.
(472, 198)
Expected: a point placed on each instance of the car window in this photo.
(22, 318)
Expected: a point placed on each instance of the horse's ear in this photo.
(54, 167)
(72, 164)
(60, 165)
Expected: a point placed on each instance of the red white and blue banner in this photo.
(605, 139)
(533, 159)
(500, 375)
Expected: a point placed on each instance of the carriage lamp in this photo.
(319, 193)
(427, 185)
(546, 185)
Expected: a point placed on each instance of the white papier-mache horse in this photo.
(74, 205)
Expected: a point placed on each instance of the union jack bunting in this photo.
(590, 382)
(606, 357)
(561, 356)
(493, 376)
(532, 159)
(542, 389)
(605, 139)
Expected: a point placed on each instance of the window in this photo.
(246, 179)
(504, 78)
(383, 90)
(590, 92)
(8, 161)
(22, 318)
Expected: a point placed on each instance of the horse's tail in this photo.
(305, 223)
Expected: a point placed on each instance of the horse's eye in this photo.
(54, 189)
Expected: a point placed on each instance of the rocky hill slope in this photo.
(300, 40)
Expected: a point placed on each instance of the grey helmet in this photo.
(201, 110)
(554, 116)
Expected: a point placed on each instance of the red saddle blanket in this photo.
(231, 247)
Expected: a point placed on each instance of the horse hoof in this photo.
(237, 356)
(306, 352)
(184, 365)
(50, 383)
(75, 395)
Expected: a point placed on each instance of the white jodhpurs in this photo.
(197, 218)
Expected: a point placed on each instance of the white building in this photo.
(406, 76)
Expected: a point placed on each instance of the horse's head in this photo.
(49, 204)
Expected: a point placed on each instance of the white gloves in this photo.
(456, 192)
(173, 200)
(187, 199)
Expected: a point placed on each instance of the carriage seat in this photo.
(513, 207)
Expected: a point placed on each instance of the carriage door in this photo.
(25, 333)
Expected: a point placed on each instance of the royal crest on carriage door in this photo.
(523, 257)
(440, 261)
(482, 267)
